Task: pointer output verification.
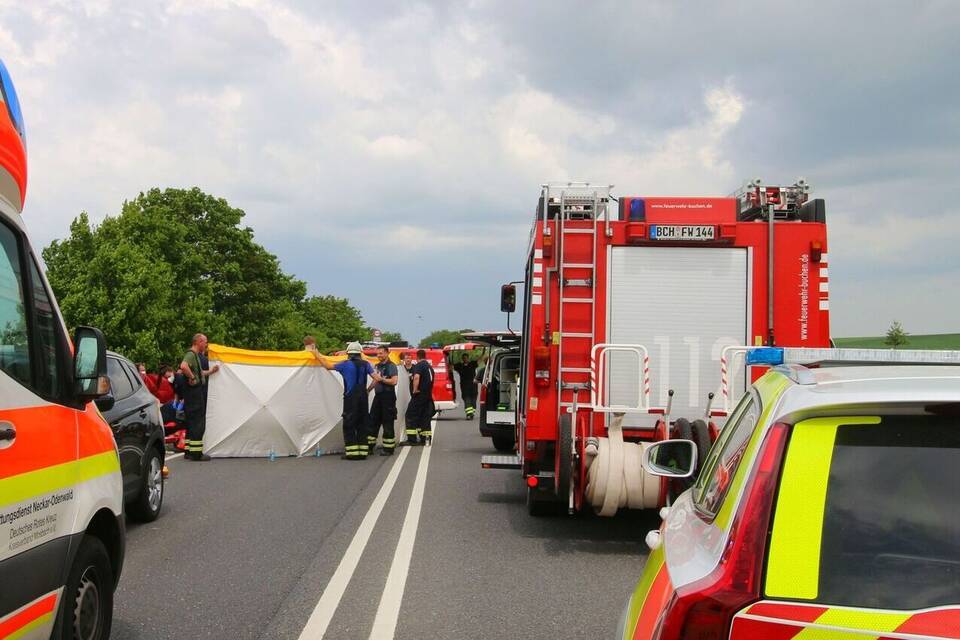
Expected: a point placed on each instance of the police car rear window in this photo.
(891, 528)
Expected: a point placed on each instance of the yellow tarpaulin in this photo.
(276, 358)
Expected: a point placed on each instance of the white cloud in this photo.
(436, 122)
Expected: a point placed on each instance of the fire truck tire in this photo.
(683, 430)
(701, 435)
(564, 460)
(503, 443)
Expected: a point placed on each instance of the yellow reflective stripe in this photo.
(793, 568)
(855, 620)
(44, 620)
(34, 483)
(651, 568)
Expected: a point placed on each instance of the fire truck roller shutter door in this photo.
(684, 304)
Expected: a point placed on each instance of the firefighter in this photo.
(354, 371)
(193, 402)
(467, 369)
(421, 409)
(383, 412)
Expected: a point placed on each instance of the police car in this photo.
(61, 494)
(829, 507)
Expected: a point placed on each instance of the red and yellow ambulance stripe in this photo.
(788, 621)
(33, 616)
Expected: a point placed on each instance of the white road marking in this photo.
(388, 612)
(174, 456)
(323, 613)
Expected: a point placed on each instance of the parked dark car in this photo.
(134, 415)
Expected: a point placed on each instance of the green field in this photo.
(933, 341)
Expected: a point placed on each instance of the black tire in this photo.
(146, 506)
(503, 443)
(539, 506)
(683, 430)
(87, 609)
(701, 435)
(565, 457)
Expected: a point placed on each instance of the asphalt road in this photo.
(246, 549)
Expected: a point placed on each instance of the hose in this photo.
(615, 476)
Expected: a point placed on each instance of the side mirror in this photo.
(90, 379)
(106, 401)
(508, 298)
(671, 459)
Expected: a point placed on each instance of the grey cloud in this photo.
(330, 121)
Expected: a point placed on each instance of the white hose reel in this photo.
(615, 476)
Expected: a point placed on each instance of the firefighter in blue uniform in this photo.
(354, 371)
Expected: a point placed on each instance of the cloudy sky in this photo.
(391, 152)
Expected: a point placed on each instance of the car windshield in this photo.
(891, 521)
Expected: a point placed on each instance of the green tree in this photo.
(333, 322)
(443, 337)
(896, 336)
(391, 336)
(178, 261)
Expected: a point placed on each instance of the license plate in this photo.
(683, 232)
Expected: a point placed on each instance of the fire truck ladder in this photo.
(582, 206)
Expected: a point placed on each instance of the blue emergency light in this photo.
(765, 355)
(637, 210)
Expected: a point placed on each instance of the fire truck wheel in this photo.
(683, 430)
(564, 469)
(701, 435)
(503, 443)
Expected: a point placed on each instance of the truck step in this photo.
(577, 265)
(500, 462)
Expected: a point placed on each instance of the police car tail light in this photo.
(704, 609)
(483, 394)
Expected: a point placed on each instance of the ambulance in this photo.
(61, 492)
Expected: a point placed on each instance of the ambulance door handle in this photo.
(7, 432)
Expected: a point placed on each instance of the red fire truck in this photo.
(635, 311)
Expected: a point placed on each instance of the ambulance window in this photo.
(120, 384)
(725, 456)
(47, 336)
(14, 345)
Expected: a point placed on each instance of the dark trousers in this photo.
(196, 422)
(418, 415)
(383, 413)
(355, 423)
(469, 399)
(196, 426)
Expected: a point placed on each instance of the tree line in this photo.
(178, 261)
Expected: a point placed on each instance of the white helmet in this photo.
(354, 347)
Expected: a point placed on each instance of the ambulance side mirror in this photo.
(508, 298)
(671, 459)
(90, 364)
